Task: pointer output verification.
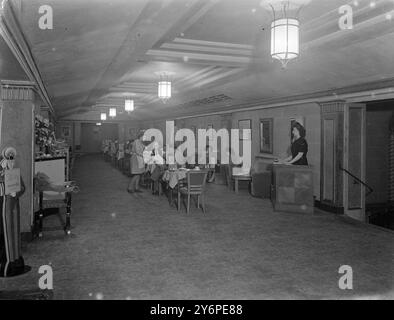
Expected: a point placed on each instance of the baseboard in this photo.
(329, 208)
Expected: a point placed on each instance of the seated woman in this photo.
(299, 147)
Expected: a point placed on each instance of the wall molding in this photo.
(16, 90)
(333, 107)
(379, 90)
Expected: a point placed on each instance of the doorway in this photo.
(343, 165)
(92, 136)
(380, 162)
(354, 164)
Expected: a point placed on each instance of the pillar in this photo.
(391, 161)
(332, 148)
(17, 130)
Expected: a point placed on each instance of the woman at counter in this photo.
(299, 147)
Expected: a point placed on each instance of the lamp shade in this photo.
(112, 112)
(285, 44)
(129, 105)
(103, 116)
(164, 90)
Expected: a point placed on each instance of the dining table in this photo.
(172, 178)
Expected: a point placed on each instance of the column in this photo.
(17, 130)
(391, 161)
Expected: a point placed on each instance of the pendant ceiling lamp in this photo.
(112, 112)
(285, 40)
(285, 29)
(129, 105)
(103, 116)
(164, 86)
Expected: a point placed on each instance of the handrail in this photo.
(358, 180)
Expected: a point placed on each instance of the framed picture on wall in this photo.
(266, 135)
(66, 131)
(132, 133)
(245, 124)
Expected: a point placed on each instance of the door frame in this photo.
(358, 214)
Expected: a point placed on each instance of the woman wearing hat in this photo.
(299, 147)
(137, 164)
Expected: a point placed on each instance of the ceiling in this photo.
(100, 52)
(9, 66)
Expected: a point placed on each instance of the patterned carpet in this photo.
(136, 246)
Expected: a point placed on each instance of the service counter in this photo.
(292, 188)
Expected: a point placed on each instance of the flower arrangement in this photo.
(44, 135)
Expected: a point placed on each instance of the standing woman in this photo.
(299, 147)
(136, 163)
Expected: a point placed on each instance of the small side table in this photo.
(240, 178)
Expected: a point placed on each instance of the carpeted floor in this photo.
(135, 246)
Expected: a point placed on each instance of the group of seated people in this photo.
(144, 162)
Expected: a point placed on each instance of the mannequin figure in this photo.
(11, 260)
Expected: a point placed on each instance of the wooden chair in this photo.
(196, 181)
(240, 174)
(62, 201)
(155, 180)
(54, 192)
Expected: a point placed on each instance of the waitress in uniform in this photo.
(299, 147)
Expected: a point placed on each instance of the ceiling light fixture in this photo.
(103, 116)
(285, 40)
(164, 86)
(285, 29)
(112, 112)
(129, 105)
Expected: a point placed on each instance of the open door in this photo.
(354, 166)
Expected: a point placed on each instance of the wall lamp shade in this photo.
(164, 90)
(103, 117)
(112, 112)
(285, 40)
(129, 105)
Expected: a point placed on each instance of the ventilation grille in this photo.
(206, 101)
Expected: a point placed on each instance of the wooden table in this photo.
(238, 178)
(172, 178)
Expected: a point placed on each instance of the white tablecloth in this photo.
(173, 177)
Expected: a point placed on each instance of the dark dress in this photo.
(300, 145)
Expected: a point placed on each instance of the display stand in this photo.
(57, 170)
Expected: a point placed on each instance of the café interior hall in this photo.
(197, 149)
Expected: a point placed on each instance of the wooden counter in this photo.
(292, 188)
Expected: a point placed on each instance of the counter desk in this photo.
(292, 188)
